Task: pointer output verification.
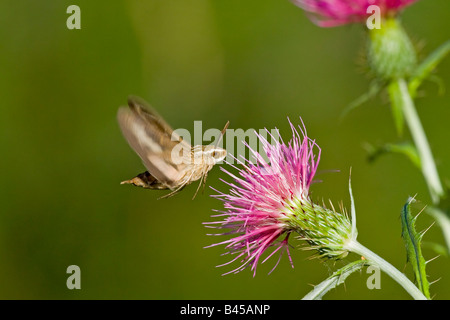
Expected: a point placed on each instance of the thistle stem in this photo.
(385, 266)
(428, 165)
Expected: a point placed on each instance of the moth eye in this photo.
(214, 154)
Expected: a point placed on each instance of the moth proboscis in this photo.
(171, 162)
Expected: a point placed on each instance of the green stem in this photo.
(428, 165)
(429, 170)
(385, 266)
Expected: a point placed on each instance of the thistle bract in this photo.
(390, 51)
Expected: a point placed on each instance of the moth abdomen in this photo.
(147, 181)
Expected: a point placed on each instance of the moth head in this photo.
(213, 154)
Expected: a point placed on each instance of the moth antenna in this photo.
(222, 133)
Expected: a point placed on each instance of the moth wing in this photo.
(153, 140)
(148, 114)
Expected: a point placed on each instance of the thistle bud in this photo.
(325, 230)
(390, 52)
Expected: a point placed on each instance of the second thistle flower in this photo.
(332, 13)
(269, 201)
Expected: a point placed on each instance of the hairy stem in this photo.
(428, 165)
(386, 267)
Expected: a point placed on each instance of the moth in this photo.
(171, 162)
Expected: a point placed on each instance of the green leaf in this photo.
(413, 250)
(438, 248)
(334, 280)
(374, 88)
(406, 148)
(427, 66)
(396, 99)
(439, 82)
(443, 220)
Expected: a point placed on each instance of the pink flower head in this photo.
(256, 206)
(331, 13)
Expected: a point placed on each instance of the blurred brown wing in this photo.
(152, 139)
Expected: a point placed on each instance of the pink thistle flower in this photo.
(331, 13)
(270, 201)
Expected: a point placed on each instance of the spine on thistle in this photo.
(325, 230)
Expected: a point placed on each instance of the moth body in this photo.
(171, 162)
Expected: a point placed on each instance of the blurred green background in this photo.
(251, 62)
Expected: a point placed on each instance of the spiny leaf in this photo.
(334, 280)
(406, 148)
(413, 251)
(374, 88)
(427, 66)
(439, 82)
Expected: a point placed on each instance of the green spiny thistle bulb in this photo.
(391, 54)
(323, 229)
